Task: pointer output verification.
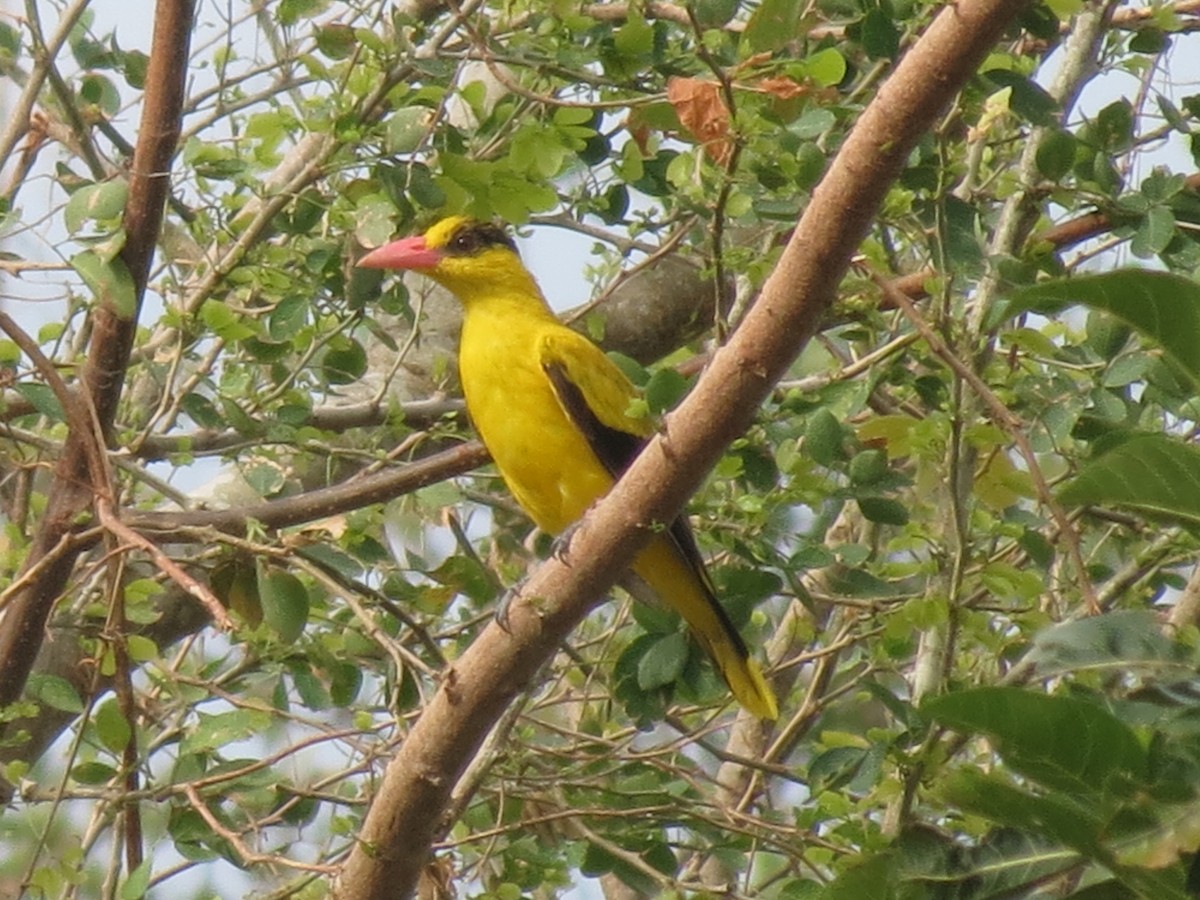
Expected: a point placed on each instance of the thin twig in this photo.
(248, 856)
(173, 570)
(1006, 419)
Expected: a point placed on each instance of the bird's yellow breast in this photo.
(544, 459)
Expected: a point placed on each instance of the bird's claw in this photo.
(562, 544)
(558, 550)
(504, 605)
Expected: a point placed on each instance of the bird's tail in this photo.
(674, 582)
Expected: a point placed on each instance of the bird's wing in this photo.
(595, 395)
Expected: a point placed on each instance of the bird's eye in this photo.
(462, 243)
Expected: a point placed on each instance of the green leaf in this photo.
(883, 510)
(814, 123)
(1115, 642)
(1065, 9)
(99, 91)
(134, 65)
(715, 13)
(346, 682)
(823, 437)
(1055, 816)
(202, 411)
(826, 67)
(138, 882)
(407, 128)
(1127, 369)
(1154, 233)
(1113, 128)
(635, 38)
(109, 281)
(879, 35)
(1028, 99)
(345, 360)
(289, 12)
(288, 318)
(141, 648)
(212, 732)
(1056, 154)
(423, 189)
(95, 202)
(918, 864)
(1151, 473)
(664, 662)
(54, 691)
(336, 40)
(656, 619)
(41, 398)
(93, 773)
(374, 221)
(266, 476)
(1065, 743)
(772, 25)
(284, 604)
(111, 726)
(835, 768)
(665, 388)
(960, 235)
(1162, 306)
(868, 466)
(310, 688)
(225, 322)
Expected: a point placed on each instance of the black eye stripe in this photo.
(475, 237)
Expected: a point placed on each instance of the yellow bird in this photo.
(552, 410)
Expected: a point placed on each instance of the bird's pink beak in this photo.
(406, 253)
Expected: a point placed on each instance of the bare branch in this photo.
(353, 494)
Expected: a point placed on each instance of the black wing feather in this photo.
(613, 447)
(616, 449)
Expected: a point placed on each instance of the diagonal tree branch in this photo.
(103, 377)
(408, 808)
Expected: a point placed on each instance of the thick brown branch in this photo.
(149, 185)
(407, 811)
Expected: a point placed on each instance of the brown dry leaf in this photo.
(318, 531)
(757, 59)
(436, 881)
(783, 87)
(639, 131)
(702, 111)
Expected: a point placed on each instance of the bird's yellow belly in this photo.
(545, 461)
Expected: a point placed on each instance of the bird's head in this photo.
(471, 258)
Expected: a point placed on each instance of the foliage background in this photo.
(919, 531)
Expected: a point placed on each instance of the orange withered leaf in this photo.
(702, 111)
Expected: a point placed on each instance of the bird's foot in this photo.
(505, 604)
(562, 544)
